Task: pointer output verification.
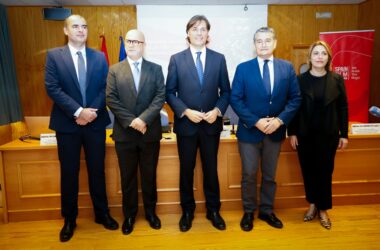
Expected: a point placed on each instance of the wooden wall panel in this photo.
(369, 19)
(296, 24)
(32, 36)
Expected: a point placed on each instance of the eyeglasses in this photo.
(262, 42)
(134, 42)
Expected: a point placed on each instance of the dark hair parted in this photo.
(195, 19)
(328, 65)
(265, 30)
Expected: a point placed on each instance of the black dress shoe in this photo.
(271, 219)
(246, 222)
(127, 227)
(185, 222)
(154, 221)
(107, 221)
(216, 219)
(67, 231)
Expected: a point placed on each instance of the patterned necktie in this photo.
(199, 66)
(82, 77)
(136, 75)
(266, 77)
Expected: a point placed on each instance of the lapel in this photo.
(68, 61)
(143, 74)
(276, 72)
(129, 77)
(307, 89)
(188, 58)
(90, 60)
(257, 77)
(208, 66)
(331, 89)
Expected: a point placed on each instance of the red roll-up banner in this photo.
(352, 57)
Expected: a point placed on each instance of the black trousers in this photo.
(131, 156)
(69, 150)
(187, 150)
(316, 155)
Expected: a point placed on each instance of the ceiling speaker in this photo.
(56, 14)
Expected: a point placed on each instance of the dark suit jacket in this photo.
(335, 107)
(250, 100)
(127, 104)
(183, 90)
(62, 86)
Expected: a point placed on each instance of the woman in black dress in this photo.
(319, 128)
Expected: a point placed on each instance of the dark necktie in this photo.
(136, 75)
(266, 77)
(82, 77)
(199, 67)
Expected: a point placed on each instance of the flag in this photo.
(104, 48)
(122, 53)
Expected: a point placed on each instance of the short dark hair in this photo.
(66, 22)
(265, 30)
(194, 20)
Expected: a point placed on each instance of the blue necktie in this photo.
(199, 67)
(136, 75)
(82, 77)
(266, 77)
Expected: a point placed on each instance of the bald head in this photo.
(135, 35)
(73, 18)
(134, 44)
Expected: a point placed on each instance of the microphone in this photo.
(375, 111)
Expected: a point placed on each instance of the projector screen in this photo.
(231, 31)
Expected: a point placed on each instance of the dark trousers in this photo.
(187, 150)
(131, 156)
(263, 154)
(316, 155)
(69, 149)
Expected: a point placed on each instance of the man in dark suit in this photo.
(75, 79)
(198, 100)
(265, 96)
(135, 95)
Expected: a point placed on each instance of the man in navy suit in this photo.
(198, 90)
(75, 79)
(265, 96)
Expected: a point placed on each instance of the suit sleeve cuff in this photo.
(77, 113)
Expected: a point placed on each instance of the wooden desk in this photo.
(31, 177)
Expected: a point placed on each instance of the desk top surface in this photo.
(167, 139)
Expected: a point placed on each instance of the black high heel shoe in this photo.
(310, 214)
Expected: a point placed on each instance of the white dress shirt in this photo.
(74, 56)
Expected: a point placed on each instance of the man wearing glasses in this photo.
(135, 94)
(265, 96)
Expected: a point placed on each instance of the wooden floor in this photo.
(354, 227)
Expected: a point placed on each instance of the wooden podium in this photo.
(30, 174)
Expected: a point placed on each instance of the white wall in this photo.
(231, 31)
